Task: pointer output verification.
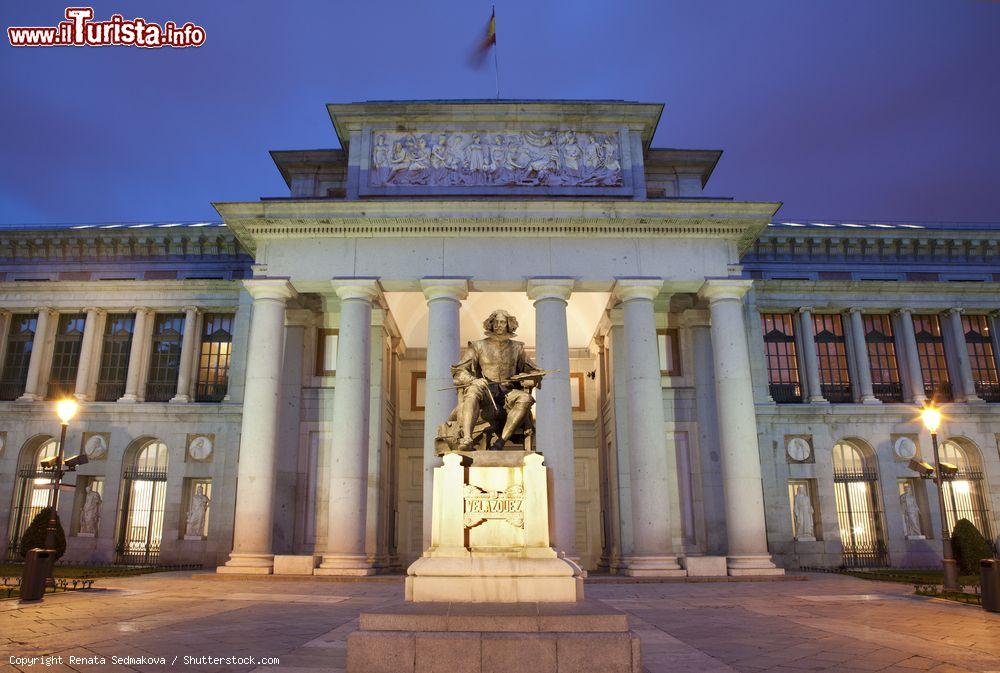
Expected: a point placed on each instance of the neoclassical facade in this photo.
(735, 393)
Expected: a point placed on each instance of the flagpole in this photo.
(496, 48)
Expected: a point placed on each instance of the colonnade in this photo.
(651, 552)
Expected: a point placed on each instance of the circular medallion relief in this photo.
(904, 448)
(798, 449)
(96, 446)
(200, 448)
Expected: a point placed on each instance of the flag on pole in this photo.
(489, 40)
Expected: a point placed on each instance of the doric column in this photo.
(911, 358)
(33, 383)
(861, 358)
(87, 353)
(259, 434)
(808, 331)
(345, 547)
(187, 355)
(962, 356)
(651, 553)
(444, 299)
(554, 431)
(6, 317)
(741, 475)
(140, 335)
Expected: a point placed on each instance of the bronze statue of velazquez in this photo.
(494, 380)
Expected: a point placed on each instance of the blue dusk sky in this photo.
(844, 110)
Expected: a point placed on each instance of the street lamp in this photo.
(65, 410)
(931, 417)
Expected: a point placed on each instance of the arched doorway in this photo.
(859, 505)
(33, 491)
(144, 487)
(964, 496)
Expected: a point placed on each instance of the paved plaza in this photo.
(828, 623)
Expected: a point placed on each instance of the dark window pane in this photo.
(882, 358)
(117, 347)
(213, 357)
(831, 351)
(781, 358)
(930, 349)
(66, 355)
(165, 357)
(15, 364)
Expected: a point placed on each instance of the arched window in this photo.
(859, 505)
(963, 495)
(144, 494)
(33, 492)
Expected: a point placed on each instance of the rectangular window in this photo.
(782, 360)
(882, 358)
(115, 351)
(326, 352)
(984, 365)
(831, 351)
(20, 340)
(66, 355)
(165, 357)
(933, 365)
(669, 346)
(213, 358)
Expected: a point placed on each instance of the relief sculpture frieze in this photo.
(564, 158)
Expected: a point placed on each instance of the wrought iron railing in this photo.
(838, 393)
(210, 392)
(888, 392)
(110, 392)
(988, 391)
(11, 390)
(160, 392)
(939, 393)
(786, 393)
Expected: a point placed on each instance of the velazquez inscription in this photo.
(482, 504)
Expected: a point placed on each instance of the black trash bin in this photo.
(989, 574)
(36, 570)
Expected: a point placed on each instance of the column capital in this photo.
(363, 288)
(905, 311)
(551, 287)
(955, 310)
(45, 309)
(806, 309)
(444, 287)
(188, 308)
(720, 289)
(276, 289)
(643, 287)
(95, 309)
(855, 309)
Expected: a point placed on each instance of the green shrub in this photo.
(969, 547)
(34, 535)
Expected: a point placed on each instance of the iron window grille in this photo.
(20, 341)
(782, 359)
(165, 357)
(66, 355)
(882, 357)
(831, 351)
(115, 353)
(981, 356)
(859, 512)
(31, 497)
(964, 499)
(214, 356)
(933, 364)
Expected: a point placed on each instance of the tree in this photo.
(34, 535)
(969, 547)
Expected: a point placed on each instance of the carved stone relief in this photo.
(798, 449)
(200, 447)
(95, 444)
(564, 158)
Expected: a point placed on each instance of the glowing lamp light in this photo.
(66, 409)
(931, 418)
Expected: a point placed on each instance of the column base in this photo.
(705, 566)
(752, 564)
(82, 397)
(29, 397)
(248, 564)
(345, 565)
(974, 400)
(180, 399)
(870, 400)
(818, 400)
(128, 399)
(652, 566)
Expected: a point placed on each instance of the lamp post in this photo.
(65, 410)
(931, 418)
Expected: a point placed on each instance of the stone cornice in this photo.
(96, 244)
(736, 221)
(872, 295)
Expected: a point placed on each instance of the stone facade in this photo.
(342, 304)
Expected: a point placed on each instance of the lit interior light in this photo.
(962, 487)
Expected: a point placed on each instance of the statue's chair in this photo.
(485, 430)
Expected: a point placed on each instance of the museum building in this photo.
(732, 392)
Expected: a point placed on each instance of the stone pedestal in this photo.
(490, 535)
(295, 565)
(705, 566)
(539, 637)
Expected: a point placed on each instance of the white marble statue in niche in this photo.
(804, 515)
(472, 159)
(90, 515)
(911, 513)
(197, 511)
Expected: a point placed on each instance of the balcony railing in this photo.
(786, 393)
(888, 392)
(160, 392)
(210, 392)
(838, 393)
(109, 391)
(939, 393)
(990, 392)
(11, 390)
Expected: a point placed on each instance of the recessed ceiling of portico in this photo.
(582, 315)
